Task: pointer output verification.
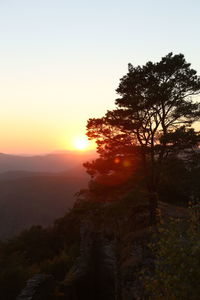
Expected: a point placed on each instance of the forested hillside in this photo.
(35, 190)
(36, 200)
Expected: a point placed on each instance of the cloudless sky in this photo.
(61, 61)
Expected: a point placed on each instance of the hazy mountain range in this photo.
(38, 189)
(58, 161)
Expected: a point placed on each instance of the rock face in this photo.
(92, 275)
(40, 287)
(109, 263)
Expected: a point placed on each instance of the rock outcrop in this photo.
(112, 253)
(110, 260)
(40, 287)
(92, 275)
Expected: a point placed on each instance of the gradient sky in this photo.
(61, 61)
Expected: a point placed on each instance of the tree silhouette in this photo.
(152, 119)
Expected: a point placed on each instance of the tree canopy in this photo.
(153, 117)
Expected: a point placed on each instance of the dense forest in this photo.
(134, 232)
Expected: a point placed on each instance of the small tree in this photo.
(152, 119)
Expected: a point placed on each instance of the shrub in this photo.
(177, 260)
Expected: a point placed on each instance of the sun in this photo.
(81, 143)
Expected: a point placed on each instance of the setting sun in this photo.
(81, 143)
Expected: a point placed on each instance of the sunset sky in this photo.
(61, 61)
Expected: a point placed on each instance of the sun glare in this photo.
(81, 143)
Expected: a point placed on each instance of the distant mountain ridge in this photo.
(53, 162)
(36, 190)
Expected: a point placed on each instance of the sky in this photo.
(61, 61)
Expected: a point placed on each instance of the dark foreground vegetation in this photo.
(134, 232)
